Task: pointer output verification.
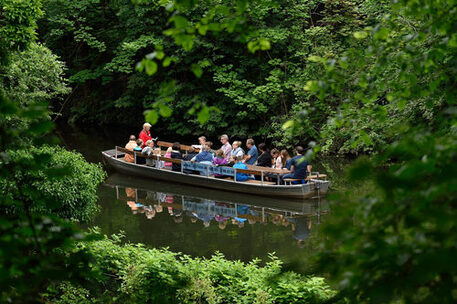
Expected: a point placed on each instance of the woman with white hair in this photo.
(145, 135)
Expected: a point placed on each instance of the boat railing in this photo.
(188, 165)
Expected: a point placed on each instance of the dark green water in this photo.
(199, 221)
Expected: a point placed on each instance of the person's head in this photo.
(202, 140)
(176, 146)
(284, 157)
(238, 159)
(139, 142)
(193, 219)
(191, 150)
(209, 144)
(158, 208)
(220, 153)
(274, 153)
(251, 221)
(146, 126)
(132, 138)
(299, 150)
(236, 144)
(206, 224)
(205, 148)
(222, 225)
(250, 142)
(233, 158)
(150, 214)
(262, 147)
(169, 149)
(301, 243)
(178, 219)
(224, 139)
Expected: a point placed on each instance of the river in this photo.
(198, 221)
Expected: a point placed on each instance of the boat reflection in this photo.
(212, 207)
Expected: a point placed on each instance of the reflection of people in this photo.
(150, 212)
(130, 192)
(301, 228)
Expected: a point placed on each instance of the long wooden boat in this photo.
(115, 159)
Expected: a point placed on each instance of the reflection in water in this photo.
(199, 222)
(208, 212)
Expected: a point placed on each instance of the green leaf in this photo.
(381, 34)
(151, 116)
(179, 21)
(151, 67)
(197, 70)
(203, 115)
(288, 124)
(360, 35)
(165, 110)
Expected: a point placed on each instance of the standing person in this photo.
(145, 134)
(264, 159)
(176, 154)
(299, 165)
(130, 146)
(226, 147)
(236, 149)
(253, 153)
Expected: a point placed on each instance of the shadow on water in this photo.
(200, 221)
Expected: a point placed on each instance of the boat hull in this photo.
(310, 190)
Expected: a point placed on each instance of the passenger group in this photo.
(296, 168)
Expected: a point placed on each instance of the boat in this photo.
(313, 188)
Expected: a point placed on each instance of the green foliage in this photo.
(212, 65)
(135, 274)
(34, 75)
(73, 187)
(17, 25)
(394, 242)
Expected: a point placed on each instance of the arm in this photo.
(308, 168)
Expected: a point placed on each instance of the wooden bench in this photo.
(182, 147)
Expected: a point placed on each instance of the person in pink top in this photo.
(168, 155)
(226, 146)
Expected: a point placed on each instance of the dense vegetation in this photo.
(101, 42)
(134, 274)
(356, 76)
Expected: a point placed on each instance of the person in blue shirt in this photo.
(253, 153)
(204, 156)
(299, 166)
(241, 177)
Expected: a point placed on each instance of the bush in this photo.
(134, 274)
(73, 186)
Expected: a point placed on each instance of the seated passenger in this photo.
(277, 159)
(139, 160)
(241, 177)
(210, 145)
(236, 149)
(188, 157)
(286, 160)
(264, 159)
(299, 165)
(219, 160)
(204, 156)
(190, 154)
(176, 154)
(201, 142)
(149, 151)
(226, 146)
(130, 146)
(251, 158)
(168, 165)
